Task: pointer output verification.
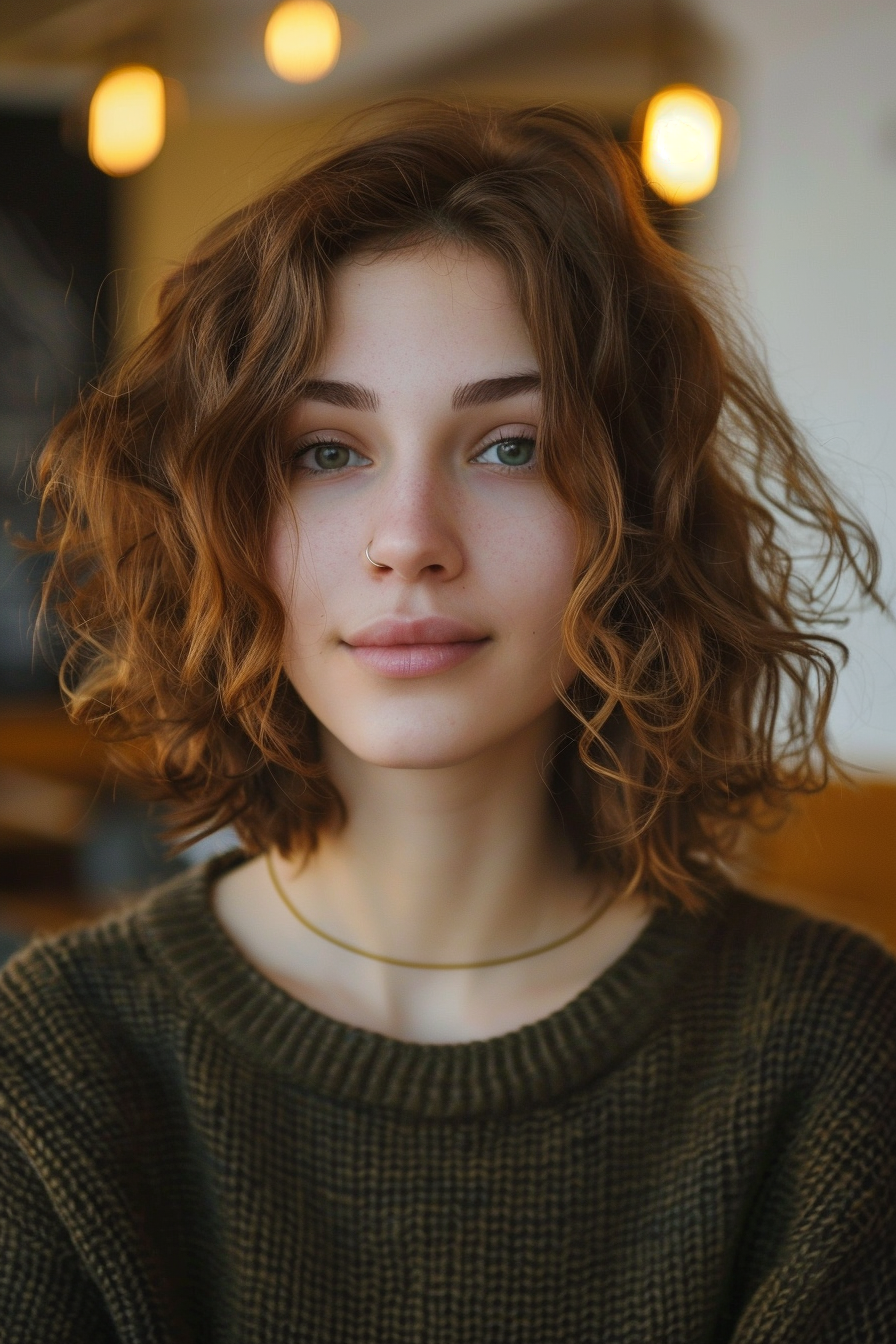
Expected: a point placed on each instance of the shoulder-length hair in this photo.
(703, 681)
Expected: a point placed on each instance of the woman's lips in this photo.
(395, 647)
(415, 660)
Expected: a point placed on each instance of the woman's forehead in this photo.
(442, 314)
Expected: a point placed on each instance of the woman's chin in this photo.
(415, 756)
(414, 746)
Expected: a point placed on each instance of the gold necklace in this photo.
(431, 965)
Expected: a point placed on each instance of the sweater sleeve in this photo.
(45, 1294)
(818, 1260)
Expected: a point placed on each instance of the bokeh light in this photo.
(302, 40)
(126, 125)
(682, 143)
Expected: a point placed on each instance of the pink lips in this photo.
(415, 648)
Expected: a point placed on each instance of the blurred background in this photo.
(128, 127)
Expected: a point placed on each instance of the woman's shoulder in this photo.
(93, 945)
(65, 999)
(767, 933)
(91, 1040)
(802, 984)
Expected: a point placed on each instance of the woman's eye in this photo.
(516, 451)
(321, 457)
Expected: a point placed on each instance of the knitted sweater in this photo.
(700, 1147)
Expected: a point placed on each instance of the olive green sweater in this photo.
(700, 1147)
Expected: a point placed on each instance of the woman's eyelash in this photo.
(506, 438)
(510, 432)
(325, 440)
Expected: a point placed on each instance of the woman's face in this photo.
(417, 439)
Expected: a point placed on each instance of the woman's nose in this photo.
(414, 531)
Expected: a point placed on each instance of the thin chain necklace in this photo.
(432, 965)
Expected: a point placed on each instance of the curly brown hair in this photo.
(703, 682)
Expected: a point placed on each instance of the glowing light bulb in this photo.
(302, 40)
(681, 145)
(126, 122)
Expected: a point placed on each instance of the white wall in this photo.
(808, 221)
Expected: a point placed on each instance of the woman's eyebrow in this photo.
(493, 389)
(353, 397)
(348, 395)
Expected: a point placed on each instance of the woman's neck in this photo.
(452, 863)
(458, 863)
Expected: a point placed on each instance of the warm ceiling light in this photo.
(126, 124)
(681, 144)
(302, 40)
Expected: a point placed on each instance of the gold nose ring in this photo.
(371, 560)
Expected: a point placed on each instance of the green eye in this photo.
(516, 452)
(318, 459)
(331, 456)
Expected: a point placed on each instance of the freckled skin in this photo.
(487, 544)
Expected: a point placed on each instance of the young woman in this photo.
(439, 541)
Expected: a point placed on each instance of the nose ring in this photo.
(371, 560)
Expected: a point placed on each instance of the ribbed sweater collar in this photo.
(524, 1068)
